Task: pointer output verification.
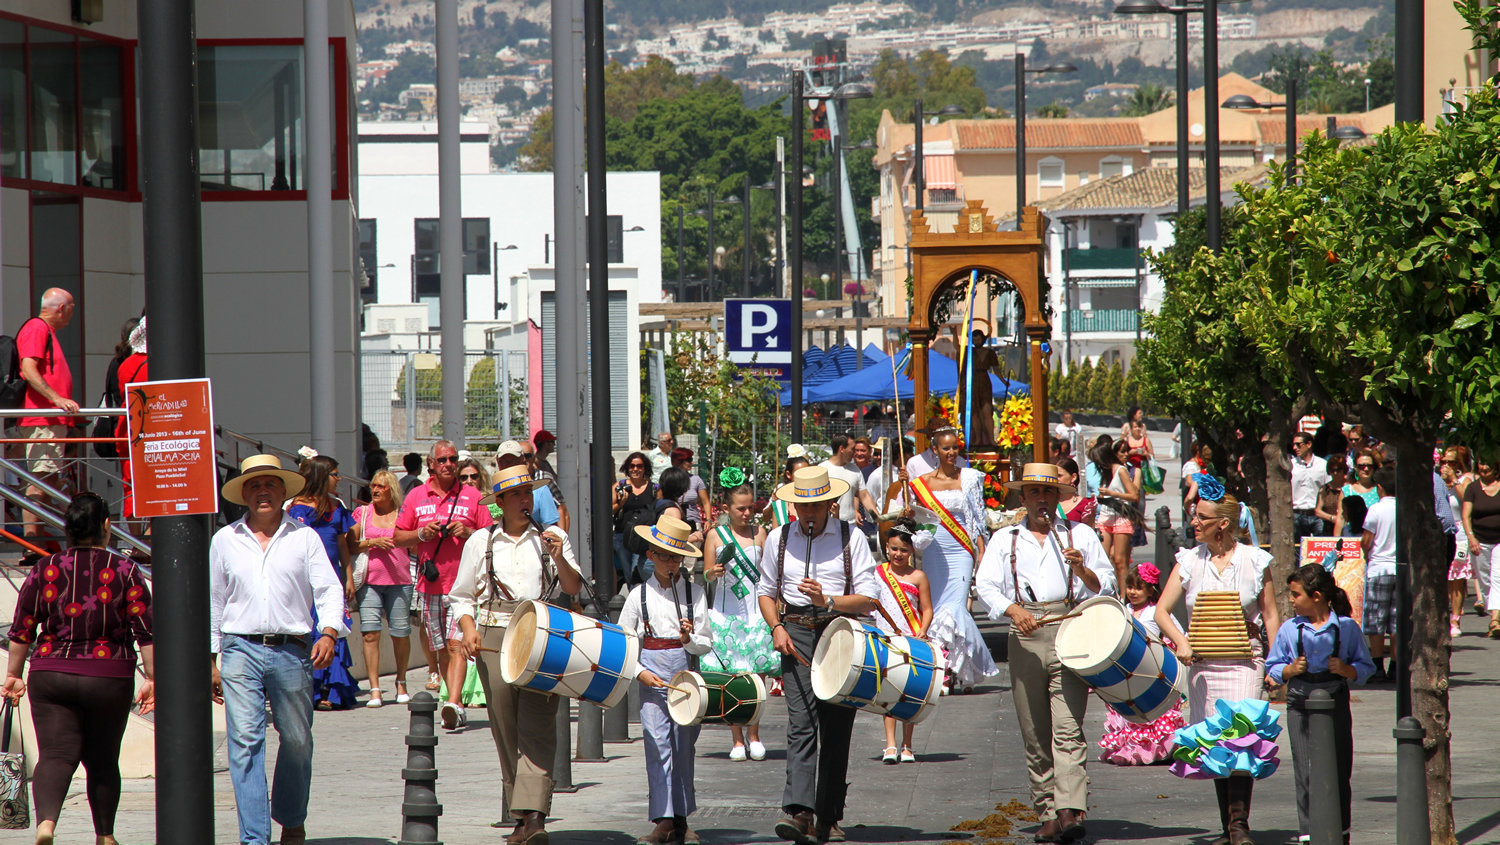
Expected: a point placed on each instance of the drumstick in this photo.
(678, 689)
(887, 615)
(483, 648)
(1048, 620)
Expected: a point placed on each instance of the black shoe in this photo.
(30, 559)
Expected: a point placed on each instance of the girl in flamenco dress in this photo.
(1126, 743)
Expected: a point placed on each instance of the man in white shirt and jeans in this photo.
(1379, 545)
(1309, 474)
(265, 572)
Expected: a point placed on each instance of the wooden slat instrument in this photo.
(1217, 629)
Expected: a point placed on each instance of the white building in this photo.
(508, 253)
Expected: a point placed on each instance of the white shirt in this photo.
(520, 563)
(271, 591)
(1380, 520)
(922, 463)
(827, 568)
(1307, 479)
(663, 613)
(660, 462)
(1041, 570)
(850, 474)
(1069, 433)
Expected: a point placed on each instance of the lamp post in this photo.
(1245, 101)
(745, 256)
(776, 215)
(794, 253)
(1021, 71)
(919, 182)
(847, 91)
(1179, 13)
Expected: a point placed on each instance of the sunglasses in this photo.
(1364, 466)
(448, 459)
(468, 476)
(637, 465)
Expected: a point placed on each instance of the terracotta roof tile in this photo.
(1148, 188)
(1055, 133)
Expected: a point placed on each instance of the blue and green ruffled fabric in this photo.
(1239, 739)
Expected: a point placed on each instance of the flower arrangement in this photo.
(1014, 431)
(943, 407)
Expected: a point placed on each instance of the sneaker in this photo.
(889, 757)
(757, 751)
(1454, 631)
(907, 756)
(737, 754)
(452, 715)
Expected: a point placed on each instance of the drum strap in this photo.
(781, 562)
(646, 614)
(1015, 580)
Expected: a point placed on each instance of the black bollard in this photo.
(562, 758)
(420, 808)
(1325, 811)
(590, 732)
(633, 701)
(617, 722)
(1413, 824)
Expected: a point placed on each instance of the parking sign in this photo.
(758, 331)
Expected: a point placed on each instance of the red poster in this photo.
(1348, 568)
(171, 430)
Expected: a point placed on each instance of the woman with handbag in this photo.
(90, 609)
(382, 578)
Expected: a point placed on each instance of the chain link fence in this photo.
(403, 398)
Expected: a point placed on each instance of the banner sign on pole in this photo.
(171, 430)
(1348, 569)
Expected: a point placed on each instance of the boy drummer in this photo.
(672, 623)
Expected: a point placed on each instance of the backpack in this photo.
(630, 519)
(12, 385)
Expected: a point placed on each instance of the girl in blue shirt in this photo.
(1321, 648)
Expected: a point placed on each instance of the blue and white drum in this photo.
(1129, 669)
(552, 650)
(859, 666)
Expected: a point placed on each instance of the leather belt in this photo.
(275, 640)
(1305, 511)
(660, 643)
(814, 621)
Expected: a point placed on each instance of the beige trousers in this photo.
(524, 725)
(1050, 703)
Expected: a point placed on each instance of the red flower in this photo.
(135, 592)
(135, 608)
(106, 576)
(44, 649)
(49, 592)
(104, 594)
(102, 652)
(72, 609)
(51, 572)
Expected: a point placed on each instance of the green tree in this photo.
(739, 410)
(1055, 392)
(1052, 109)
(1083, 385)
(1112, 393)
(1147, 99)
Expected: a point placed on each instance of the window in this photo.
(1049, 173)
(250, 117)
(476, 246)
(1114, 166)
(941, 195)
(62, 111)
(368, 258)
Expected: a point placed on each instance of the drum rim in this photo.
(850, 677)
(524, 611)
(1118, 649)
(697, 690)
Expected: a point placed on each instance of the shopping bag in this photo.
(1152, 477)
(15, 807)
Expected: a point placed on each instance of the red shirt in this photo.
(37, 340)
(426, 505)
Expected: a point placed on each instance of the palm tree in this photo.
(1146, 99)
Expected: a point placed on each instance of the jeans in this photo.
(1306, 525)
(252, 674)
(631, 566)
(392, 600)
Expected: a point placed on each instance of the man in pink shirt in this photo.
(436, 519)
(49, 384)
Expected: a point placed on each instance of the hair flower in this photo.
(731, 477)
(796, 450)
(1209, 488)
(307, 453)
(1149, 573)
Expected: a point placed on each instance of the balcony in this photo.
(1103, 319)
(1100, 259)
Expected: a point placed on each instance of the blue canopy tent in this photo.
(837, 363)
(873, 353)
(874, 384)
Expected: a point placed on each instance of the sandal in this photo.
(906, 755)
(434, 681)
(889, 757)
(401, 696)
(1494, 632)
(375, 700)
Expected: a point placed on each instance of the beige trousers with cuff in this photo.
(1050, 704)
(523, 723)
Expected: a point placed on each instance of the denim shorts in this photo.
(394, 600)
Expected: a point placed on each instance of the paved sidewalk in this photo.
(969, 760)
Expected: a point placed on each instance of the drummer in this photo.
(812, 571)
(672, 623)
(502, 566)
(1031, 572)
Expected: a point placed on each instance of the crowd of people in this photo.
(714, 581)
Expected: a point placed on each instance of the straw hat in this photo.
(509, 479)
(261, 465)
(1048, 475)
(671, 534)
(812, 484)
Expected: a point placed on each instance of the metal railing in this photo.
(403, 397)
(1101, 259)
(1104, 320)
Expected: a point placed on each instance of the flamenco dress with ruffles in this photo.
(741, 640)
(334, 684)
(1129, 744)
(950, 570)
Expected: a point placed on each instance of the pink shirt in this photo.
(388, 567)
(426, 505)
(37, 340)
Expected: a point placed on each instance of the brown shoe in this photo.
(294, 835)
(831, 832)
(664, 833)
(1048, 831)
(798, 828)
(533, 830)
(514, 837)
(1070, 825)
(685, 834)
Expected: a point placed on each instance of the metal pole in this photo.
(838, 214)
(450, 223)
(1413, 823)
(708, 294)
(919, 177)
(173, 249)
(1211, 118)
(567, 189)
(794, 253)
(1410, 80)
(562, 757)
(1183, 140)
(1020, 136)
(1291, 130)
(1325, 811)
(745, 259)
(681, 289)
(602, 475)
(319, 176)
(780, 211)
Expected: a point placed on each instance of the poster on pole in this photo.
(170, 425)
(1348, 567)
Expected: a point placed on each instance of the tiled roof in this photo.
(1273, 129)
(1148, 188)
(1050, 133)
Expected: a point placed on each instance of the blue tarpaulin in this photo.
(837, 363)
(874, 383)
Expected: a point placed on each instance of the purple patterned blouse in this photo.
(89, 609)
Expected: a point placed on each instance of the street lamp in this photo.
(1245, 101)
(708, 214)
(772, 187)
(918, 116)
(1021, 71)
(1180, 13)
(1344, 133)
(1367, 93)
